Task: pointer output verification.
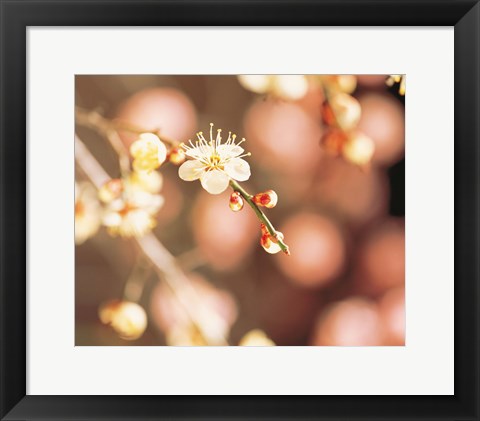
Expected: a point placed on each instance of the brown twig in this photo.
(96, 121)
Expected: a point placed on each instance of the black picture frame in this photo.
(17, 15)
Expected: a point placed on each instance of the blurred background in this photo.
(341, 212)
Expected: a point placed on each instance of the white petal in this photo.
(151, 182)
(191, 170)
(112, 219)
(136, 222)
(116, 205)
(139, 198)
(238, 169)
(149, 137)
(215, 182)
(156, 202)
(229, 151)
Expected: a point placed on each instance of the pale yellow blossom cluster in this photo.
(131, 203)
(341, 113)
(126, 206)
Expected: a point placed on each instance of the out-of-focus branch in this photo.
(191, 260)
(135, 284)
(162, 260)
(202, 317)
(89, 165)
(96, 121)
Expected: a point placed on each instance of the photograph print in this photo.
(240, 210)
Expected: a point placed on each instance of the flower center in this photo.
(214, 162)
(129, 207)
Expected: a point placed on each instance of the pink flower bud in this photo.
(236, 202)
(111, 190)
(267, 199)
(270, 243)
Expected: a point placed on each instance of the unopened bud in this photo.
(256, 337)
(359, 149)
(270, 243)
(236, 202)
(148, 151)
(267, 199)
(128, 319)
(341, 83)
(111, 190)
(176, 156)
(346, 83)
(346, 110)
(290, 87)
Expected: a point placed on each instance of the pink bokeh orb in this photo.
(317, 250)
(165, 109)
(383, 120)
(282, 137)
(224, 237)
(352, 322)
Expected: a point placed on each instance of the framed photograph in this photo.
(239, 210)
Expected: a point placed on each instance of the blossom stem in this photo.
(260, 215)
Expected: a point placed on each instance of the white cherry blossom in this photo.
(214, 163)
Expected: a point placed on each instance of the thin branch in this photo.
(96, 121)
(89, 165)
